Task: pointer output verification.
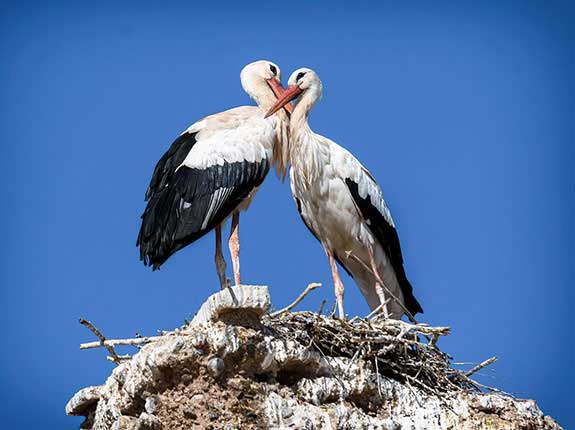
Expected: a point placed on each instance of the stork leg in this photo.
(337, 284)
(219, 258)
(378, 284)
(234, 244)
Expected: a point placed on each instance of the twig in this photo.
(487, 387)
(352, 360)
(394, 344)
(378, 376)
(288, 308)
(420, 328)
(413, 392)
(115, 342)
(321, 307)
(121, 357)
(332, 313)
(328, 362)
(481, 366)
(375, 311)
(102, 342)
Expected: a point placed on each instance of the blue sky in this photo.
(462, 111)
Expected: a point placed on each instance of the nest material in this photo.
(405, 352)
(399, 350)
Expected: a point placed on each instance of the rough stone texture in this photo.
(230, 375)
(253, 300)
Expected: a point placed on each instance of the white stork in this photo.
(341, 203)
(212, 171)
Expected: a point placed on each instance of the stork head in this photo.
(306, 79)
(262, 81)
(303, 83)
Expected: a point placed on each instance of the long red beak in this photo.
(278, 90)
(288, 95)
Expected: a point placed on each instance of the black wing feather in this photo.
(170, 161)
(179, 200)
(387, 236)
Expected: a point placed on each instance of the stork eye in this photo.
(299, 76)
(273, 69)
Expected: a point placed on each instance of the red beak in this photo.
(283, 102)
(278, 90)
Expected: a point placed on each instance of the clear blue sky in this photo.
(462, 111)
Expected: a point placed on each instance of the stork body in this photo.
(343, 206)
(212, 172)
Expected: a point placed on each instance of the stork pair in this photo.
(214, 169)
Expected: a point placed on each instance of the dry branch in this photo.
(116, 342)
(320, 310)
(332, 312)
(121, 357)
(375, 311)
(393, 346)
(481, 366)
(102, 342)
(288, 308)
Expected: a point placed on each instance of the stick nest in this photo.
(401, 351)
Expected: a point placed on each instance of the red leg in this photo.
(234, 244)
(337, 284)
(378, 284)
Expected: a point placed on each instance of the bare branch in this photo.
(332, 312)
(308, 289)
(121, 357)
(115, 342)
(393, 344)
(374, 312)
(481, 366)
(102, 342)
(378, 376)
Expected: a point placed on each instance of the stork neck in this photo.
(304, 153)
(304, 105)
(262, 94)
(281, 145)
(299, 126)
(265, 100)
(301, 153)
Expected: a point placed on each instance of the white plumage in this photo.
(236, 135)
(341, 203)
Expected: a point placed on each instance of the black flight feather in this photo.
(387, 236)
(179, 201)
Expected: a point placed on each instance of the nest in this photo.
(398, 350)
(405, 352)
